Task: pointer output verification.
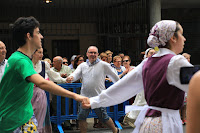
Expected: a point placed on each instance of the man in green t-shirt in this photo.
(16, 87)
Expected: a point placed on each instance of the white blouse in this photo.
(49, 73)
(132, 83)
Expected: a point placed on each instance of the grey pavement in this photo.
(90, 121)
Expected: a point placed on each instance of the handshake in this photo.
(69, 79)
(85, 102)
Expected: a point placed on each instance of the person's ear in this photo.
(173, 39)
(28, 36)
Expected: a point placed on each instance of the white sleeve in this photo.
(173, 71)
(54, 76)
(77, 73)
(122, 90)
(47, 67)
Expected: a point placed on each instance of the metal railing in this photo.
(59, 119)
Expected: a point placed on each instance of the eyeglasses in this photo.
(92, 52)
(65, 62)
(125, 60)
(118, 61)
(80, 60)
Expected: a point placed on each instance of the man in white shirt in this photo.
(93, 73)
(3, 61)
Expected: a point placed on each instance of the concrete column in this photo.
(155, 12)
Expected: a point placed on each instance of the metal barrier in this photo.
(59, 119)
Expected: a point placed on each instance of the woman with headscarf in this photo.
(164, 93)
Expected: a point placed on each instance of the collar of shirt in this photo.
(62, 67)
(55, 69)
(91, 64)
(163, 51)
(37, 64)
(118, 68)
(2, 63)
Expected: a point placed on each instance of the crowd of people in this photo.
(155, 82)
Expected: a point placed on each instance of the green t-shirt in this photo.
(16, 93)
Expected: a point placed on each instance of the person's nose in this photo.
(184, 39)
(41, 36)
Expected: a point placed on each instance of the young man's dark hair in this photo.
(21, 27)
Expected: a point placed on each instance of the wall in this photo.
(190, 21)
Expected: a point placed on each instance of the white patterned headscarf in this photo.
(161, 33)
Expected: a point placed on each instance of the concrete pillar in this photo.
(155, 12)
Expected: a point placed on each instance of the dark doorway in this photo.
(65, 48)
